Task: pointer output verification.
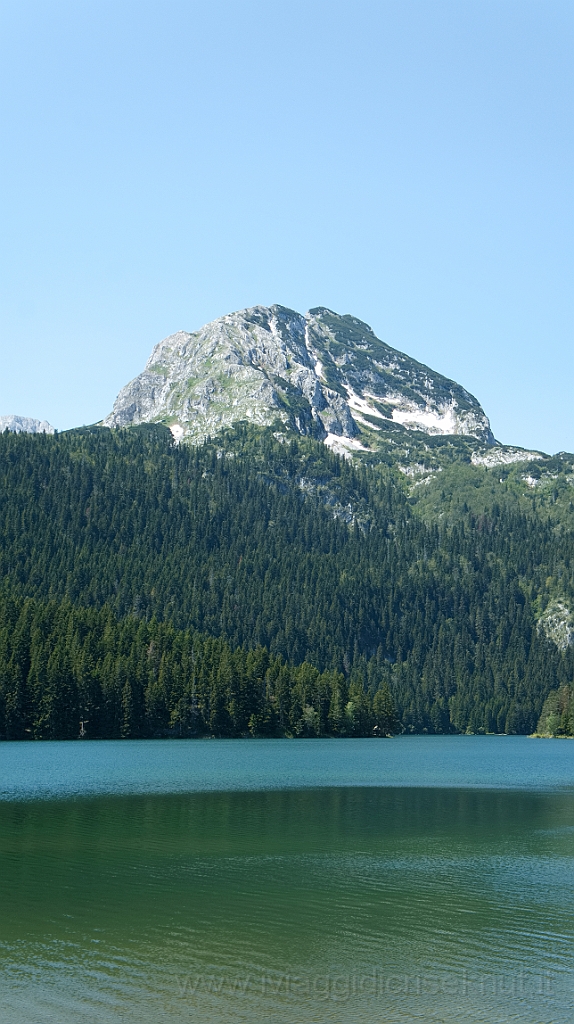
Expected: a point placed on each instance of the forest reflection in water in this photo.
(342, 904)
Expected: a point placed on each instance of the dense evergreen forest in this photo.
(557, 717)
(255, 585)
(134, 679)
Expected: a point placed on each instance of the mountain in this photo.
(319, 374)
(252, 581)
(253, 585)
(25, 425)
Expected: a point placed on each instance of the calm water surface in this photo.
(421, 879)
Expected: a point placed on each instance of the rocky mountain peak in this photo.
(25, 425)
(319, 373)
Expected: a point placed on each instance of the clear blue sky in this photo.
(408, 161)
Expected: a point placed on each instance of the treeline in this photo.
(258, 544)
(66, 672)
(557, 718)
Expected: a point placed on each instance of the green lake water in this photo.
(417, 879)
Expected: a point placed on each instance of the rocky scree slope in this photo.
(319, 374)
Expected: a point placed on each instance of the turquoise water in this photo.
(420, 879)
(41, 770)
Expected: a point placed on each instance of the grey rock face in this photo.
(25, 425)
(320, 374)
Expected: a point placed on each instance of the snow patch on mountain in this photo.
(344, 445)
(431, 421)
(177, 432)
(361, 405)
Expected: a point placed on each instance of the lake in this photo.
(406, 880)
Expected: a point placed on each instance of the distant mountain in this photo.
(25, 425)
(319, 374)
